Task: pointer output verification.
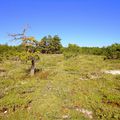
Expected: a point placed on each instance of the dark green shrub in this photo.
(50, 45)
(113, 51)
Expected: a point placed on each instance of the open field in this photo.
(71, 89)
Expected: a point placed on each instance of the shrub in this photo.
(72, 51)
(113, 51)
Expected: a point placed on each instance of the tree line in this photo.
(109, 52)
(52, 45)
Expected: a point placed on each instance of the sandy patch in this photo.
(113, 72)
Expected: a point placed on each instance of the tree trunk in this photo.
(32, 71)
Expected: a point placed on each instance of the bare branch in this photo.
(20, 35)
(25, 29)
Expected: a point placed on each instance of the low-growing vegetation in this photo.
(74, 88)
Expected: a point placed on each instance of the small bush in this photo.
(113, 52)
(72, 51)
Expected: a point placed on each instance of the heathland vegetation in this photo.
(42, 80)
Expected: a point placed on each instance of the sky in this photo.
(81, 22)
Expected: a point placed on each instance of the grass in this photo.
(62, 89)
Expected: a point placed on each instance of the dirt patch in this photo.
(28, 105)
(92, 76)
(87, 113)
(113, 72)
(112, 103)
(2, 72)
(4, 110)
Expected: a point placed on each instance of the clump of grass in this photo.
(43, 75)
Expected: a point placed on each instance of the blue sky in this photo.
(83, 22)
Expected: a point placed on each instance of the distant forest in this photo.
(52, 45)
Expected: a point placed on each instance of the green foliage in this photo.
(113, 51)
(71, 51)
(92, 50)
(27, 56)
(50, 45)
(9, 52)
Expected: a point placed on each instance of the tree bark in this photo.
(32, 71)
